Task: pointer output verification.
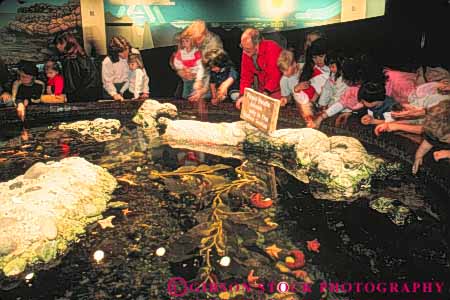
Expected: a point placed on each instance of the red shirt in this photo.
(269, 75)
(57, 84)
(311, 90)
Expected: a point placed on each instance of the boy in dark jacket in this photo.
(27, 90)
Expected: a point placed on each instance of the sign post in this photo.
(260, 110)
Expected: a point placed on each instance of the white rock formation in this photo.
(45, 209)
(100, 129)
(337, 168)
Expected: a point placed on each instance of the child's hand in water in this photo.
(222, 92)
(442, 154)
(342, 119)
(283, 101)
(366, 120)
(21, 111)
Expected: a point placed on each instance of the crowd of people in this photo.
(322, 83)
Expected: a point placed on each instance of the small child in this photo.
(223, 76)
(27, 90)
(55, 81)
(379, 106)
(291, 73)
(55, 84)
(187, 62)
(136, 87)
(335, 86)
(348, 101)
(314, 76)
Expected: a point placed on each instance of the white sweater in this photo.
(115, 72)
(137, 83)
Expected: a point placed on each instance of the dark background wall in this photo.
(394, 40)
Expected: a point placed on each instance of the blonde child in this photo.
(291, 73)
(187, 62)
(136, 87)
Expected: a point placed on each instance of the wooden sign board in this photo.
(260, 110)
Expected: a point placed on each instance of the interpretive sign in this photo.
(260, 110)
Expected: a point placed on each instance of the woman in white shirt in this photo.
(115, 69)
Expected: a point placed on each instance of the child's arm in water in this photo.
(420, 153)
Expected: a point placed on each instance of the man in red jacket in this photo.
(259, 57)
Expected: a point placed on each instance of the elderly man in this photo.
(205, 41)
(259, 57)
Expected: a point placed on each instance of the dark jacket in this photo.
(81, 79)
(378, 111)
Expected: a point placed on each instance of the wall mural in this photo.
(153, 23)
(27, 27)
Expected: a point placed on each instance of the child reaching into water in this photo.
(312, 79)
(349, 99)
(27, 90)
(223, 76)
(291, 73)
(187, 62)
(379, 106)
(137, 85)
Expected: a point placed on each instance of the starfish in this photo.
(313, 245)
(300, 274)
(106, 223)
(252, 279)
(273, 251)
(126, 211)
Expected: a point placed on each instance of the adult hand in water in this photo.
(423, 149)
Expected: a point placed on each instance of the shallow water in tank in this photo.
(357, 243)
